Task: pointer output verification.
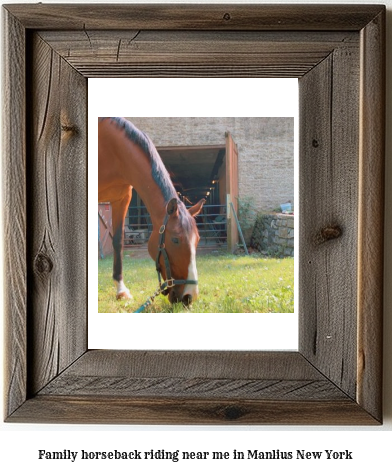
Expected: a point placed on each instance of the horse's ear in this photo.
(172, 207)
(196, 209)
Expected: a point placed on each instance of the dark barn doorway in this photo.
(209, 172)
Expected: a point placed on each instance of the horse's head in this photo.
(173, 247)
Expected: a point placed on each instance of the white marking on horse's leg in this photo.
(191, 289)
(122, 291)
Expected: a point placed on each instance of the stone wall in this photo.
(273, 235)
(265, 150)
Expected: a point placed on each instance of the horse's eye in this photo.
(175, 240)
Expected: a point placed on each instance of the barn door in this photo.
(105, 233)
(231, 191)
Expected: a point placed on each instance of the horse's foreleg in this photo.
(119, 211)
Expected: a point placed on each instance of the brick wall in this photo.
(265, 150)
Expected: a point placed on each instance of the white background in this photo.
(19, 444)
(249, 98)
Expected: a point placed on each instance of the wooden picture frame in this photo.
(337, 52)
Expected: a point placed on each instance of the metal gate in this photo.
(138, 226)
(211, 224)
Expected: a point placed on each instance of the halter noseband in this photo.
(169, 282)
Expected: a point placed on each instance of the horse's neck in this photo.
(137, 172)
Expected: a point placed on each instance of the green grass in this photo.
(227, 284)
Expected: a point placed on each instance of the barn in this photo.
(226, 160)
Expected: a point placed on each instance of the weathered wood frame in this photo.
(337, 52)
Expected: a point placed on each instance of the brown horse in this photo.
(128, 159)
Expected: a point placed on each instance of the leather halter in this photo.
(169, 282)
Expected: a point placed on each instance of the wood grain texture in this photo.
(201, 364)
(56, 215)
(195, 53)
(329, 167)
(193, 17)
(103, 409)
(192, 387)
(201, 387)
(14, 211)
(205, 374)
(371, 215)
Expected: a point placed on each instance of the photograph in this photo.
(210, 200)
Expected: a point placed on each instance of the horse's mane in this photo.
(158, 170)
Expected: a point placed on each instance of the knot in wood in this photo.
(328, 233)
(232, 413)
(69, 128)
(315, 143)
(227, 16)
(43, 264)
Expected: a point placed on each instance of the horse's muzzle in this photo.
(178, 297)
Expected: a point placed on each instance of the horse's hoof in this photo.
(124, 295)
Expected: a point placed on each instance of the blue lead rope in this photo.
(142, 308)
(149, 301)
(166, 284)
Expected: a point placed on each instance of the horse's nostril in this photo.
(187, 300)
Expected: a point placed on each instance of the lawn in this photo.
(227, 284)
